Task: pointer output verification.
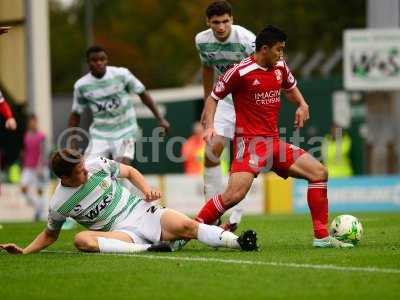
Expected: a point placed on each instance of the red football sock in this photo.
(318, 203)
(212, 210)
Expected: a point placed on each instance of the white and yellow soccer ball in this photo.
(346, 228)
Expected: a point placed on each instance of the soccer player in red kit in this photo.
(255, 84)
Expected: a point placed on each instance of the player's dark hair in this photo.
(269, 36)
(218, 8)
(64, 161)
(94, 49)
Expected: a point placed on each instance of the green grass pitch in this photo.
(286, 267)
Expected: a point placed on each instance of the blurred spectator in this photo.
(193, 151)
(35, 172)
(336, 153)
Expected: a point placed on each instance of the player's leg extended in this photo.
(238, 186)
(307, 167)
(27, 178)
(175, 225)
(107, 242)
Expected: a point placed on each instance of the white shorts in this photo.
(31, 178)
(143, 225)
(225, 119)
(117, 149)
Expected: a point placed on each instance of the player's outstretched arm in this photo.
(208, 118)
(138, 180)
(302, 113)
(149, 102)
(43, 240)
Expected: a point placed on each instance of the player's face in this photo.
(221, 26)
(275, 53)
(97, 62)
(79, 175)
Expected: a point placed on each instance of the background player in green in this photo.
(107, 91)
(219, 47)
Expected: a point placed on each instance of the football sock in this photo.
(29, 199)
(107, 245)
(212, 210)
(237, 212)
(215, 236)
(318, 203)
(213, 181)
(39, 206)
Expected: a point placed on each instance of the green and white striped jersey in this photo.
(223, 55)
(109, 98)
(99, 204)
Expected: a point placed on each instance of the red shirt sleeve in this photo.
(226, 84)
(5, 109)
(288, 80)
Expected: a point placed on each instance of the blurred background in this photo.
(345, 56)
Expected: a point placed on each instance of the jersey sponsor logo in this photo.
(111, 104)
(256, 82)
(268, 97)
(278, 75)
(77, 208)
(93, 213)
(220, 87)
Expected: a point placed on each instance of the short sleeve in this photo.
(132, 84)
(226, 84)
(250, 45)
(204, 59)
(55, 220)
(107, 165)
(288, 80)
(79, 103)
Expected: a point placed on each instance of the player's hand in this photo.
(164, 124)
(302, 115)
(152, 195)
(12, 248)
(208, 134)
(11, 124)
(4, 29)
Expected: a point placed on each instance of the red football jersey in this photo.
(256, 95)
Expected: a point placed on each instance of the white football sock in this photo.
(237, 212)
(215, 236)
(213, 183)
(116, 246)
(39, 206)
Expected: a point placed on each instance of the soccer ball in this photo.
(346, 228)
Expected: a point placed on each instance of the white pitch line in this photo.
(243, 262)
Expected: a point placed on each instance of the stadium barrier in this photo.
(269, 194)
(359, 193)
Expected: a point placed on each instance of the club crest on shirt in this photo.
(278, 75)
(104, 185)
(220, 87)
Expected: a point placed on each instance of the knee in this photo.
(320, 173)
(83, 241)
(212, 155)
(189, 229)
